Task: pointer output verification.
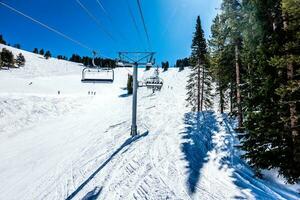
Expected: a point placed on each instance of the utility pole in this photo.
(135, 59)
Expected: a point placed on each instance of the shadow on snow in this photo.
(242, 174)
(128, 142)
(199, 128)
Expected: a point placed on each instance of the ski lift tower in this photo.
(135, 59)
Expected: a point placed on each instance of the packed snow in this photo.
(63, 139)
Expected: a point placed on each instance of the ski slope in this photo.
(74, 145)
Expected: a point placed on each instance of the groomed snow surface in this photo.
(75, 145)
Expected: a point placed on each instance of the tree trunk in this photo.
(202, 88)
(199, 88)
(221, 100)
(292, 105)
(238, 91)
(231, 98)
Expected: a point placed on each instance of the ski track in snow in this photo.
(78, 146)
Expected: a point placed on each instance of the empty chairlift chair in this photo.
(97, 74)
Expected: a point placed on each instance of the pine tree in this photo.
(217, 69)
(198, 85)
(18, 46)
(35, 50)
(7, 58)
(129, 84)
(148, 67)
(20, 60)
(2, 41)
(1, 63)
(47, 55)
(232, 16)
(76, 58)
(268, 141)
(41, 52)
(165, 66)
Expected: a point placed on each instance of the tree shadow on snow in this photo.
(243, 175)
(128, 142)
(199, 129)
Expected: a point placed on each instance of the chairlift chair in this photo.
(97, 74)
(154, 82)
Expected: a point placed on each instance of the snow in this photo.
(74, 145)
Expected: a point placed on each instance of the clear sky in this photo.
(170, 24)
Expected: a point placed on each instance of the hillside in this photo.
(74, 145)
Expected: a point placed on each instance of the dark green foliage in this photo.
(129, 84)
(75, 58)
(47, 55)
(165, 66)
(1, 63)
(87, 61)
(7, 58)
(181, 63)
(20, 61)
(60, 57)
(267, 36)
(18, 46)
(41, 52)
(35, 50)
(222, 61)
(148, 67)
(198, 85)
(2, 41)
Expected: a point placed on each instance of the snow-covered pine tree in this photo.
(7, 58)
(199, 82)
(20, 61)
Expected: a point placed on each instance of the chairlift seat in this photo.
(97, 75)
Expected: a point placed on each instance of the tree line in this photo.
(253, 56)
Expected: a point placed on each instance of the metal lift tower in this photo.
(135, 59)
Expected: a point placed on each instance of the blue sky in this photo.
(170, 25)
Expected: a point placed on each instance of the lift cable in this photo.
(134, 21)
(121, 36)
(96, 21)
(51, 29)
(47, 27)
(144, 24)
(104, 10)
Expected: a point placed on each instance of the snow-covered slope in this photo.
(78, 146)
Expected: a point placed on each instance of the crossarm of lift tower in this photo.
(139, 58)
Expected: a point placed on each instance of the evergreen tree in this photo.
(268, 141)
(7, 58)
(20, 60)
(129, 84)
(165, 66)
(232, 16)
(47, 55)
(76, 58)
(2, 41)
(18, 46)
(1, 64)
(198, 86)
(41, 52)
(35, 50)
(148, 67)
(262, 45)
